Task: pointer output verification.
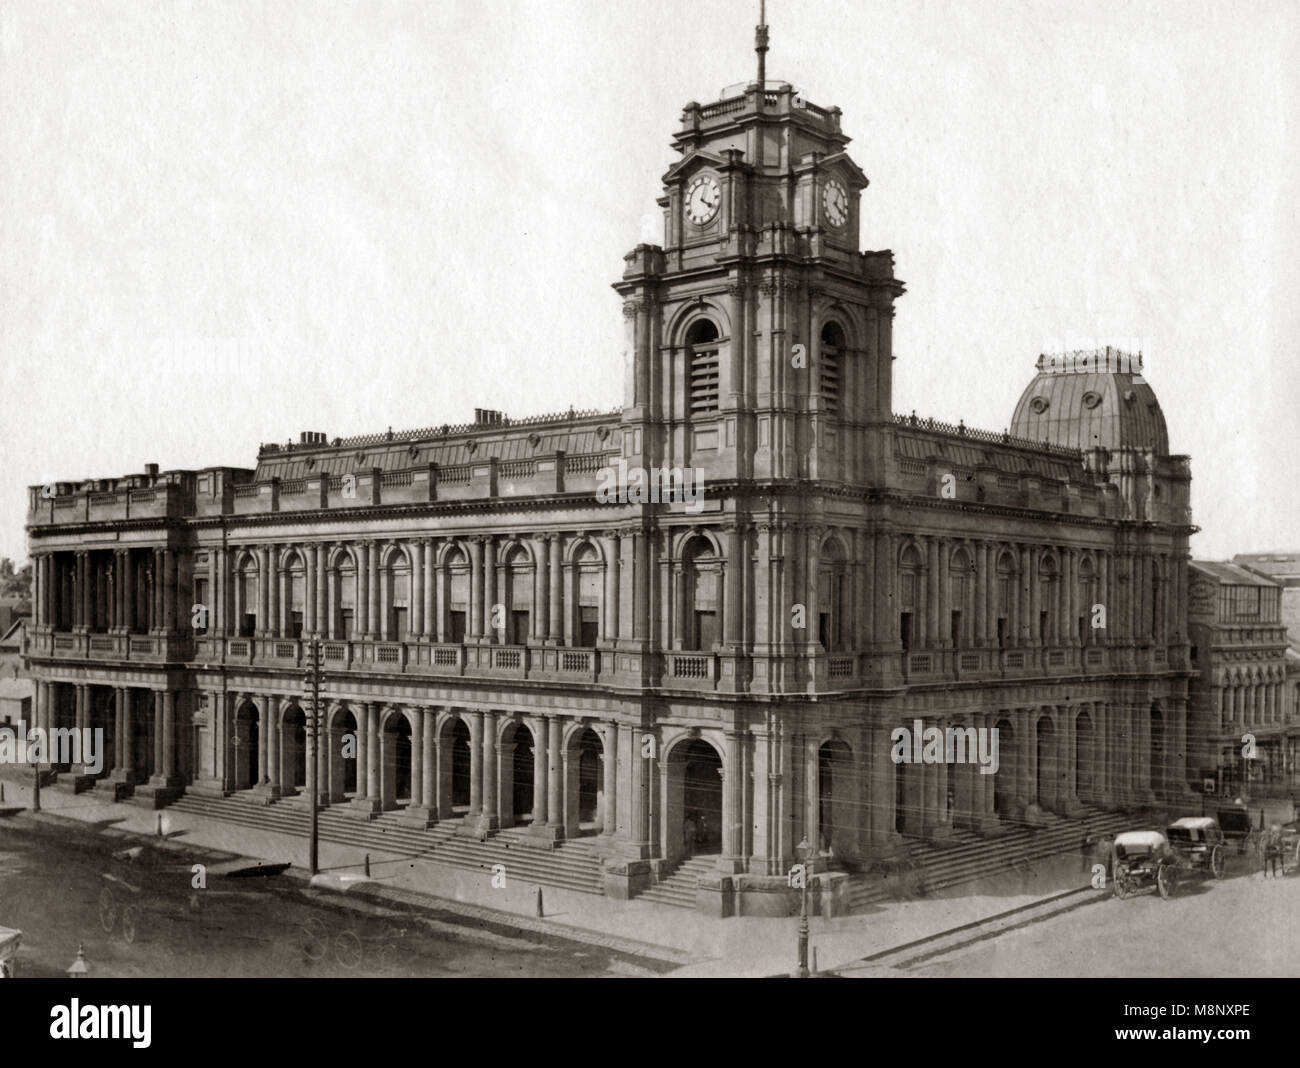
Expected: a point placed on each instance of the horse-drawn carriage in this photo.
(145, 878)
(1144, 859)
(1199, 845)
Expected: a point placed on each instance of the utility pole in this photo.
(314, 733)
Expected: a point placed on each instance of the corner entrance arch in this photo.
(693, 808)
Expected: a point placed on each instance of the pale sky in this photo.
(225, 223)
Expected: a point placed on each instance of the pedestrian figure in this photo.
(1272, 849)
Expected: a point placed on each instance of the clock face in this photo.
(703, 198)
(835, 202)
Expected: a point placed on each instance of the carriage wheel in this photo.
(107, 910)
(386, 955)
(128, 924)
(347, 949)
(1166, 880)
(1217, 863)
(313, 939)
(1120, 884)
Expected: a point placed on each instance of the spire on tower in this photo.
(760, 44)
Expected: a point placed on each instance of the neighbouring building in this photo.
(684, 690)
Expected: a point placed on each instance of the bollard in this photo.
(539, 902)
(160, 834)
(814, 960)
(2, 793)
(367, 865)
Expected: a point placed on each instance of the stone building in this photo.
(660, 678)
(1241, 698)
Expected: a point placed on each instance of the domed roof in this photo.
(1086, 400)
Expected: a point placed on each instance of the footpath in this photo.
(747, 946)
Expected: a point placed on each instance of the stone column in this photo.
(374, 794)
(321, 624)
(540, 617)
(882, 789)
(417, 799)
(490, 592)
(263, 591)
(428, 627)
(274, 745)
(375, 624)
(417, 590)
(733, 803)
(609, 610)
(541, 771)
(555, 602)
(555, 775)
(429, 762)
(474, 623)
(609, 740)
(733, 610)
(488, 819)
(308, 594)
(475, 719)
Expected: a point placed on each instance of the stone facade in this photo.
(1244, 690)
(715, 677)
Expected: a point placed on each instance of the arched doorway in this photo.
(836, 830)
(395, 767)
(293, 749)
(245, 744)
(1008, 773)
(454, 768)
(342, 755)
(1046, 785)
(103, 717)
(1157, 726)
(518, 755)
(584, 786)
(694, 809)
(1085, 765)
(140, 742)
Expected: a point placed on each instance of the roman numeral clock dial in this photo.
(703, 198)
(835, 204)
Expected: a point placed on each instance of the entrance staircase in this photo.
(679, 886)
(964, 856)
(571, 865)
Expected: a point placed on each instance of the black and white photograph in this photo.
(576, 489)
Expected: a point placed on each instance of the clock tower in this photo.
(759, 333)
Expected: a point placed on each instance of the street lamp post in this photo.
(803, 851)
(313, 771)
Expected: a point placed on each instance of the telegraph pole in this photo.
(313, 730)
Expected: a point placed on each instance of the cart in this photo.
(349, 949)
(10, 939)
(144, 878)
(1199, 845)
(1237, 828)
(1143, 860)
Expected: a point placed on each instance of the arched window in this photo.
(1087, 598)
(246, 593)
(832, 598)
(518, 587)
(588, 576)
(910, 572)
(702, 350)
(345, 597)
(1048, 599)
(293, 573)
(961, 585)
(1006, 593)
(397, 592)
(832, 352)
(457, 577)
(702, 571)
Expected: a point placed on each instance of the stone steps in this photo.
(965, 856)
(679, 888)
(571, 865)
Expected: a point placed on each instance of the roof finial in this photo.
(760, 44)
